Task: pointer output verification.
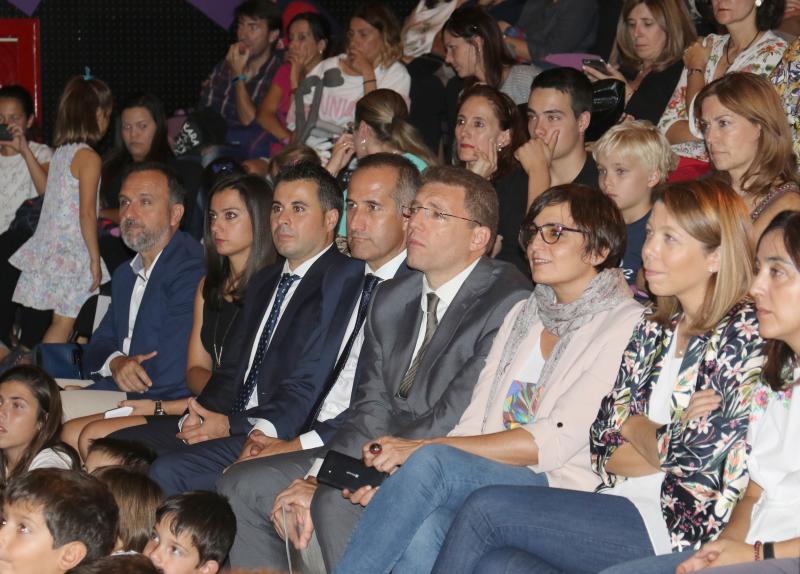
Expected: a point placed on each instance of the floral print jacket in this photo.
(786, 78)
(760, 59)
(704, 461)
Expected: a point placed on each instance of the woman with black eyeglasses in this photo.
(554, 358)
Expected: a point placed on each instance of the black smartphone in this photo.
(342, 471)
(5, 134)
(597, 63)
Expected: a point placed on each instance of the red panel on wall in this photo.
(19, 56)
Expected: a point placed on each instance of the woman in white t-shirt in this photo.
(30, 424)
(764, 524)
(371, 60)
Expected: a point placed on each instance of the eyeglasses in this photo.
(433, 214)
(549, 232)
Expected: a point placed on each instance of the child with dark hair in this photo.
(117, 564)
(55, 519)
(30, 424)
(193, 533)
(118, 452)
(137, 499)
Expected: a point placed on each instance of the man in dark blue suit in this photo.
(140, 347)
(282, 369)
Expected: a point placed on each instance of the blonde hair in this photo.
(672, 17)
(385, 111)
(713, 213)
(76, 121)
(642, 141)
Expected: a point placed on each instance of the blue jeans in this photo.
(665, 564)
(404, 525)
(558, 530)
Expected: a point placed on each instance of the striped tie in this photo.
(430, 328)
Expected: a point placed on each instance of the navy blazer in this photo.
(295, 367)
(326, 429)
(163, 323)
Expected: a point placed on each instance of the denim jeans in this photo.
(665, 564)
(404, 525)
(559, 531)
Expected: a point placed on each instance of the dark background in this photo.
(166, 47)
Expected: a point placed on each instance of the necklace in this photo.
(728, 47)
(218, 354)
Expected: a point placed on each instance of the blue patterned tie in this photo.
(252, 377)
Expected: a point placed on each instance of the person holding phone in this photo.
(651, 38)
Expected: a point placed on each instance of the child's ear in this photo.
(209, 567)
(654, 179)
(70, 555)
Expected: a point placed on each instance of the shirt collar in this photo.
(389, 269)
(303, 268)
(137, 265)
(448, 291)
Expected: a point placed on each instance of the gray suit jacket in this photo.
(445, 379)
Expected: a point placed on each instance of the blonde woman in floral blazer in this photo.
(669, 440)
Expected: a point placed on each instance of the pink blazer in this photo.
(570, 402)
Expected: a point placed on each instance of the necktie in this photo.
(370, 282)
(252, 377)
(430, 328)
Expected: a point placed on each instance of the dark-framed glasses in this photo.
(433, 214)
(549, 232)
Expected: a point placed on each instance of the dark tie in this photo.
(252, 377)
(430, 328)
(370, 282)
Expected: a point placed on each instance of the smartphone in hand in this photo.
(597, 64)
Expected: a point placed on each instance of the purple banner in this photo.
(220, 11)
(27, 6)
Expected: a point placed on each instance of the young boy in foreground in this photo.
(193, 533)
(54, 520)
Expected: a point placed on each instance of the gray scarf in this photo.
(605, 291)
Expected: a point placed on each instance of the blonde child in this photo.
(60, 264)
(632, 158)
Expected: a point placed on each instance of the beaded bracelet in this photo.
(757, 550)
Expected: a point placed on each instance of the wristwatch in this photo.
(159, 410)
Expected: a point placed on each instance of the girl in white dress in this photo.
(61, 265)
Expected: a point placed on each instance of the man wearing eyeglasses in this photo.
(425, 342)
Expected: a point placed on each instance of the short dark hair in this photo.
(480, 198)
(328, 191)
(130, 454)
(117, 564)
(594, 213)
(23, 96)
(317, 24)
(76, 507)
(408, 178)
(176, 191)
(260, 10)
(206, 516)
(567, 81)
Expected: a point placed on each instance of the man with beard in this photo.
(238, 83)
(139, 349)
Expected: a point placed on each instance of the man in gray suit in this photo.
(426, 339)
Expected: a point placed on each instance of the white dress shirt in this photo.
(139, 287)
(338, 398)
(446, 293)
(264, 425)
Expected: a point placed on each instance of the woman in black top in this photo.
(647, 56)
(488, 131)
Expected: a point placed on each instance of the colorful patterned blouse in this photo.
(786, 78)
(704, 461)
(760, 58)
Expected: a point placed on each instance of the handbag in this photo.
(27, 215)
(60, 360)
(608, 105)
